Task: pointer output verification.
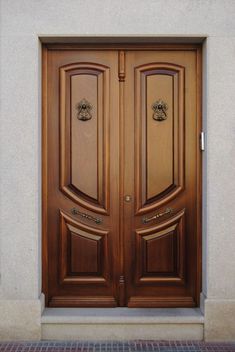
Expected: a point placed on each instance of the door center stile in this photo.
(121, 76)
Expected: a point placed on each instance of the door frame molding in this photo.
(131, 46)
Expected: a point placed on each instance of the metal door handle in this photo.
(75, 211)
(158, 215)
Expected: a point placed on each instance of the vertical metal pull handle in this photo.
(158, 215)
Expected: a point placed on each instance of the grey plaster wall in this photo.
(22, 23)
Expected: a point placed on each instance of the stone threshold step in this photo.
(122, 324)
(122, 316)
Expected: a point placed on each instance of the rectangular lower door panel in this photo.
(160, 252)
(84, 253)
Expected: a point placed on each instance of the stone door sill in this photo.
(122, 315)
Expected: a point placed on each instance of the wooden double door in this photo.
(121, 176)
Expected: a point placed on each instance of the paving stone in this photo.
(110, 346)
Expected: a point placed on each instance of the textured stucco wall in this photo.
(22, 23)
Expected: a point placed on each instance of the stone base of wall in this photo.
(20, 320)
(219, 320)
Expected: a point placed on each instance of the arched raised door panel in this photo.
(84, 137)
(159, 134)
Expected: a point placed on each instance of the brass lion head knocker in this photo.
(159, 108)
(84, 108)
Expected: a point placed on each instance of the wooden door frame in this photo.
(149, 46)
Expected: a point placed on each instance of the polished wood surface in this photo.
(121, 190)
(158, 134)
(177, 176)
(159, 151)
(84, 175)
(81, 172)
(85, 136)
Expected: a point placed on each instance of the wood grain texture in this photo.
(121, 76)
(85, 301)
(199, 128)
(123, 151)
(124, 47)
(160, 252)
(161, 302)
(84, 175)
(80, 264)
(181, 163)
(45, 268)
(159, 165)
(84, 136)
(83, 253)
(159, 141)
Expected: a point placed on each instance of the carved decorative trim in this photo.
(175, 227)
(121, 70)
(102, 276)
(100, 205)
(143, 204)
(82, 301)
(163, 302)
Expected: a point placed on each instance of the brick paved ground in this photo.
(87, 346)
